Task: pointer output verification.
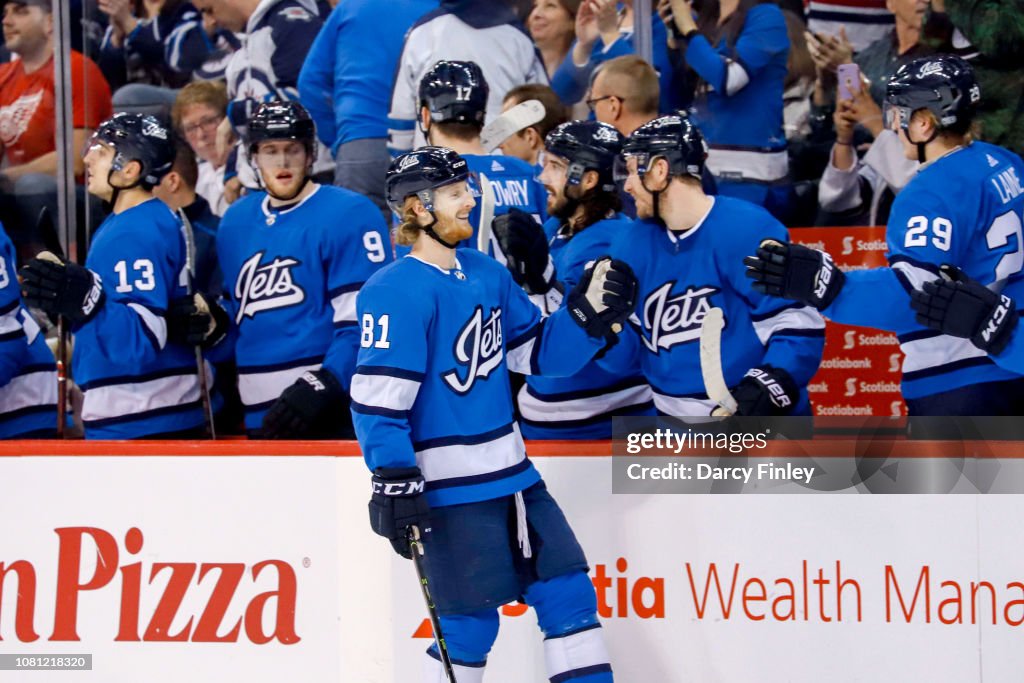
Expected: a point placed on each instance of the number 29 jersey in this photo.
(966, 209)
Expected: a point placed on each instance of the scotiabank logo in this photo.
(218, 618)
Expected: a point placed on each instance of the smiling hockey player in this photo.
(453, 100)
(137, 382)
(686, 249)
(584, 207)
(433, 412)
(293, 259)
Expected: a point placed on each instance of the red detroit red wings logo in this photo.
(14, 117)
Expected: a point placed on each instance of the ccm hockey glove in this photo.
(766, 391)
(398, 502)
(197, 321)
(62, 288)
(314, 407)
(526, 251)
(792, 271)
(604, 298)
(962, 307)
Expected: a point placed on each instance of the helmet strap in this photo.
(921, 159)
(655, 199)
(118, 188)
(429, 229)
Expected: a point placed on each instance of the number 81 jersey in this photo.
(291, 275)
(966, 209)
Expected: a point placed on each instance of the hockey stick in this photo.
(711, 363)
(523, 115)
(416, 549)
(190, 273)
(51, 242)
(483, 233)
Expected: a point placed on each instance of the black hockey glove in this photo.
(604, 298)
(962, 307)
(525, 247)
(197, 321)
(61, 288)
(766, 391)
(792, 271)
(315, 406)
(398, 502)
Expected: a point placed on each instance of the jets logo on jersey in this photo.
(675, 319)
(478, 350)
(267, 286)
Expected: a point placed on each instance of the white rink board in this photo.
(357, 604)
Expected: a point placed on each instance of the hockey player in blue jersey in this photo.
(136, 382)
(453, 101)
(433, 412)
(293, 259)
(28, 374)
(686, 249)
(547, 262)
(963, 209)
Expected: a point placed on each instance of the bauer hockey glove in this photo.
(766, 391)
(315, 406)
(962, 307)
(398, 502)
(197, 320)
(792, 271)
(526, 251)
(59, 287)
(604, 298)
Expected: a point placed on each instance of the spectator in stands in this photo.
(739, 50)
(178, 191)
(625, 93)
(345, 85)
(858, 22)
(198, 111)
(27, 124)
(528, 144)
(488, 33)
(552, 26)
(150, 48)
(278, 34)
(604, 31)
(861, 192)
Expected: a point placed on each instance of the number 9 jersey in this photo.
(291, 275)
(965, 208)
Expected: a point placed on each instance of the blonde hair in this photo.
(409, 228)
(213, 94)
(634, 80)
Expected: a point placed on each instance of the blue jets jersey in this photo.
(28, 375)
(683, 275)
(432, 388)
(581, 406)
(291, 275)
(965, 209)
(136, 383)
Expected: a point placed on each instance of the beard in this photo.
(453, 230)
(560, 206)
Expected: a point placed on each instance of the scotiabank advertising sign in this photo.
(262, 568)
(861, 369)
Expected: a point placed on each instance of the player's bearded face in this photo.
(553, 177)
(283, 165)
(452, 204)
